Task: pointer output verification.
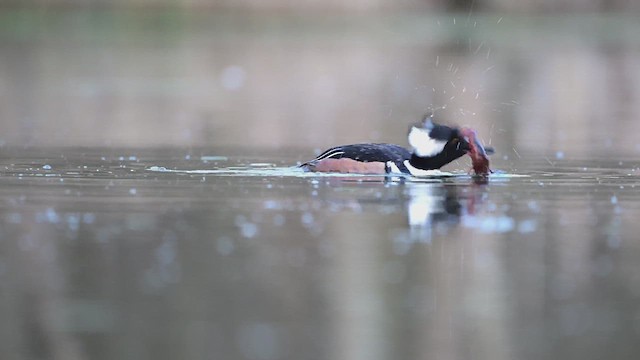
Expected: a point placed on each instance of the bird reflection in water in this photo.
(431, 205)
(439, 207)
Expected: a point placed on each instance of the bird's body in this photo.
(433, 146)
(360, 158)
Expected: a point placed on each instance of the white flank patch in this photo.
(423, 144)
(419, 172)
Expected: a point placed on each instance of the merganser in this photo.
(434, 146)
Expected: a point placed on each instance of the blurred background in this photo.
(542, 76)
(102, 257)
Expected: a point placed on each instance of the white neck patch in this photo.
(423, 144)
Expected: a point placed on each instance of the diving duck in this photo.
(433, 146)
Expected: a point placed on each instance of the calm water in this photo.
(213, 246)
(106, 255)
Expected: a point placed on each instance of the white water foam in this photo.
(295, 171)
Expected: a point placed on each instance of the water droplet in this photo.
(559, 155)
(307, 218)
(88, 218)
(614, 199)
(46, 167)
(133, 191)
(527, 226)
(248, 230)
(225, 246)
(73, 221)
(52, 216)
(233, 78)
(272, 205)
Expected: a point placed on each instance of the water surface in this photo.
(103, 258)
(150, 207)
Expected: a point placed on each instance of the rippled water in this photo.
(186, 252)
(167, 254)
